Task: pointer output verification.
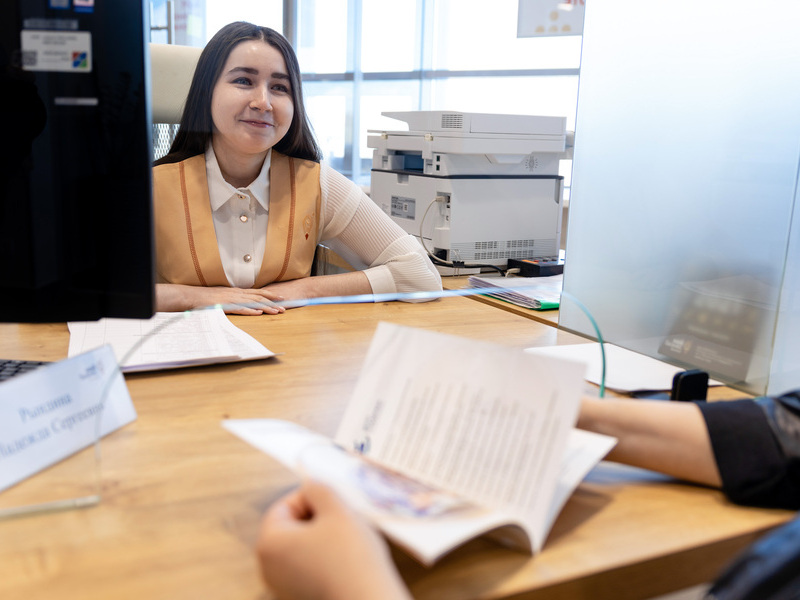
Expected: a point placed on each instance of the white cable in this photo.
(422, 222)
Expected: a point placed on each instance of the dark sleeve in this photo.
(749, 439)
(770, 568)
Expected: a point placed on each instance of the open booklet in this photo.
(168, 340)
(446, 439)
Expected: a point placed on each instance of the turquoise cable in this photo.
(588, 314)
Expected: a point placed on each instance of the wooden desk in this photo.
(548, 317)
(182, 497)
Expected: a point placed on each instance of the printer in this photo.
(474, 188)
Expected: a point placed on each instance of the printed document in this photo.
(538, 293)
(447, 438)
(168, 340)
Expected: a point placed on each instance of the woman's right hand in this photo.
(173, 297)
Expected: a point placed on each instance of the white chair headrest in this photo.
(171, 71)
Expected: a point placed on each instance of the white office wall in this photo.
(684, 180)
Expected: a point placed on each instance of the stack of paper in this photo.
(168, 340)
(626, 371)
(538, 293)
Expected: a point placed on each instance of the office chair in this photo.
(171, 71)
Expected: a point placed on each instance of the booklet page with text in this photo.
(446, 438)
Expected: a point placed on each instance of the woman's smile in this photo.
(251, 105)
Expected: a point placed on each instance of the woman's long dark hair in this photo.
(196, 127)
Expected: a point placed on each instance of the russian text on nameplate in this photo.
(52, 412)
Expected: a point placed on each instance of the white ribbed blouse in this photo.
(352, 225)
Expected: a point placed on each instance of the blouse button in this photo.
(243, 218)
(247, 258)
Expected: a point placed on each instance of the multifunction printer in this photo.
(474, 188)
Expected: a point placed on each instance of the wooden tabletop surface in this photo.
(182, 497)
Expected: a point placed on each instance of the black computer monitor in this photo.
(76, 239)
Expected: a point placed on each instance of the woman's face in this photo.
(251, 104)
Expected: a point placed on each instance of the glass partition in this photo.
(683, 235)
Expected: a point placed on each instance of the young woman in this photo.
(241, 200)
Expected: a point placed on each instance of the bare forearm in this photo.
(171, 297)
(670, 437)
(341, 284)
(383, 583)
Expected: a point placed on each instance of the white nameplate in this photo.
(65, 51)
(51, 412)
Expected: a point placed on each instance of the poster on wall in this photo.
(190, 24)
(550, 17)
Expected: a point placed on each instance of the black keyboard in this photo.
(11, 367)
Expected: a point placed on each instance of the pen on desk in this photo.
(45, 507)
